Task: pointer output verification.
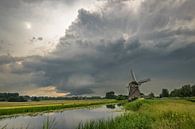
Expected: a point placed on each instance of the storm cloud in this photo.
(157, 40)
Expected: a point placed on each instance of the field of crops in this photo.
(151, 114)
(8, 108)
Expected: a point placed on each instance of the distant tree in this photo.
(35, 98)
(17, 99)
(110, 95)
(186, 91)
(13, 94)
(3, 99)
(176, 93)
(121, 97)
(7, 96)
(142, 94)
(165, 93)
(193, 90)
(151, 95)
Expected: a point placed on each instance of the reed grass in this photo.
(150, 114)
(144, 114)
(49, 123)
(127, 121)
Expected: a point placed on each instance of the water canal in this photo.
(66, 119)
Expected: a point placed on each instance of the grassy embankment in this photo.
(150, 114)
(9, 108)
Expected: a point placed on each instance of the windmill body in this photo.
(133, 87)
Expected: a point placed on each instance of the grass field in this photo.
(141, 114)
(9, 108)
(151, 114)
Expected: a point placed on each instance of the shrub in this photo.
(135, 105)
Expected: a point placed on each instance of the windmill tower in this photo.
(133, 87)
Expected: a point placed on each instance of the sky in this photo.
(87, 47)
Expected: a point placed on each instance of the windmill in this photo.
(133, 87)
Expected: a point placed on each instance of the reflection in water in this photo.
(68, 119)
(111, 106)
(119, 104)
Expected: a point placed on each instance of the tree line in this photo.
(184, 91)
(111, 95)
(15, 97)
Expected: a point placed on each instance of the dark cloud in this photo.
(35, 39)
(99, 47)
(17, 3)
(20, 20)
(10, 3)
(7, 59)
(40, 38)
(68, 2)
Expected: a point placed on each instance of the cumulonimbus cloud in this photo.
(100, 46)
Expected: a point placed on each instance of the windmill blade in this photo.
(133, 75)
(144, 81)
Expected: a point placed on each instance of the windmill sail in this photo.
(144, 81)
(133, 75)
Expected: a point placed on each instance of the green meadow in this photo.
(163, 113)
(150, 114)
(9, 108)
